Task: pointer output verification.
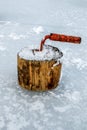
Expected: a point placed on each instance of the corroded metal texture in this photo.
(38, 75)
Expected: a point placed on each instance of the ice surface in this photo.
(64, 108)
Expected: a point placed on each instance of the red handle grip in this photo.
(61, 38)
(65, 38)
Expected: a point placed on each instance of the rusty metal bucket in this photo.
(41, 75)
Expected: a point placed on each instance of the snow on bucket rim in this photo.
(48, 53)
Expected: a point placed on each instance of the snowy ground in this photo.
(24, 23)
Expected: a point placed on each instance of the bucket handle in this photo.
(61, 38)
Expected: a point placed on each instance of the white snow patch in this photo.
(37, 125)
(38, 30)
(60, 128)
(2, 123)
(5, 22)
(1, 36)
(46, 54)
(37, 106)
(79, 63)
(53, 94)
(74, 96)
(15, 36)
(21, 123)
(2, 48)
(62, 109)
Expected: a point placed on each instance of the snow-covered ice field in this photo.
(24, 23)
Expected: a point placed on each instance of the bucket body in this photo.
(38, 75)
(39, 71)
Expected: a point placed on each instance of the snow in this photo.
(23, 23)
(38, 30)
(14, 36)
(2, 48)
(48, 53)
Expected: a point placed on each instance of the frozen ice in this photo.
(23, 23)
